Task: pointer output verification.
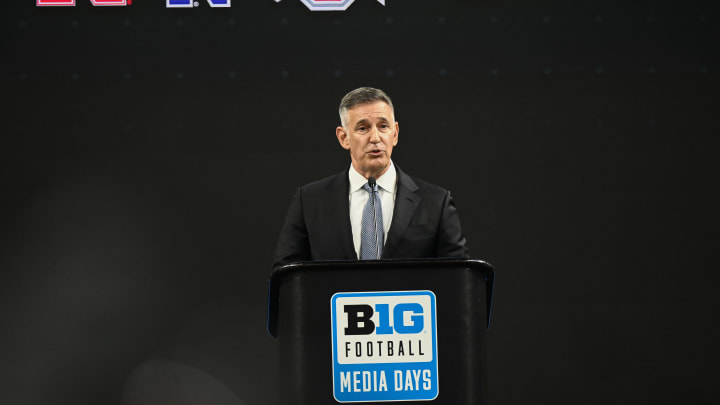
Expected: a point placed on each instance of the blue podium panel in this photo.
(384, 346)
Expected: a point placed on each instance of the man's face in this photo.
(370, 133)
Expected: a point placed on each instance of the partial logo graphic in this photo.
(71, 3)
(384, 346)
(329, 5)
(195, 3)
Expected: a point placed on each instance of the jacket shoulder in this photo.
(423, 187)
(323, 185)
(428, 187)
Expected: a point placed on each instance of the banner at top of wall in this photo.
(313, 5)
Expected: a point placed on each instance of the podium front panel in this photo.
(461, 298)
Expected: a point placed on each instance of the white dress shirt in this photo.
(387, 184)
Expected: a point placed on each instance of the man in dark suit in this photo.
(347, 216)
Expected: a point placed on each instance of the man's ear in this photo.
(342, 137)
(397, 133)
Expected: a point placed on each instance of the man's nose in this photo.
(374, 135)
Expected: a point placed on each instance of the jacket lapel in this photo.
(338, 207)
(405, 203)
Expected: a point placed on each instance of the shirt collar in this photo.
(387, 181)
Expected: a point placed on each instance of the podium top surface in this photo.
(484, 268)
(386, 263)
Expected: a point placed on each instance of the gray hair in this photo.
(362, 95)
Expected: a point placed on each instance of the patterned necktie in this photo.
(372, 235)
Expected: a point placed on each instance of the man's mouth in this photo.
(376, 152)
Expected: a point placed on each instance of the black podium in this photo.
(385, 330)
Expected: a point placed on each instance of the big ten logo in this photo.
(384, 346)
(384, 328)
(359, 318)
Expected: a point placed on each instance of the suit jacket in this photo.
(425, 223)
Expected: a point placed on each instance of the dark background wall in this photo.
(148, 156)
